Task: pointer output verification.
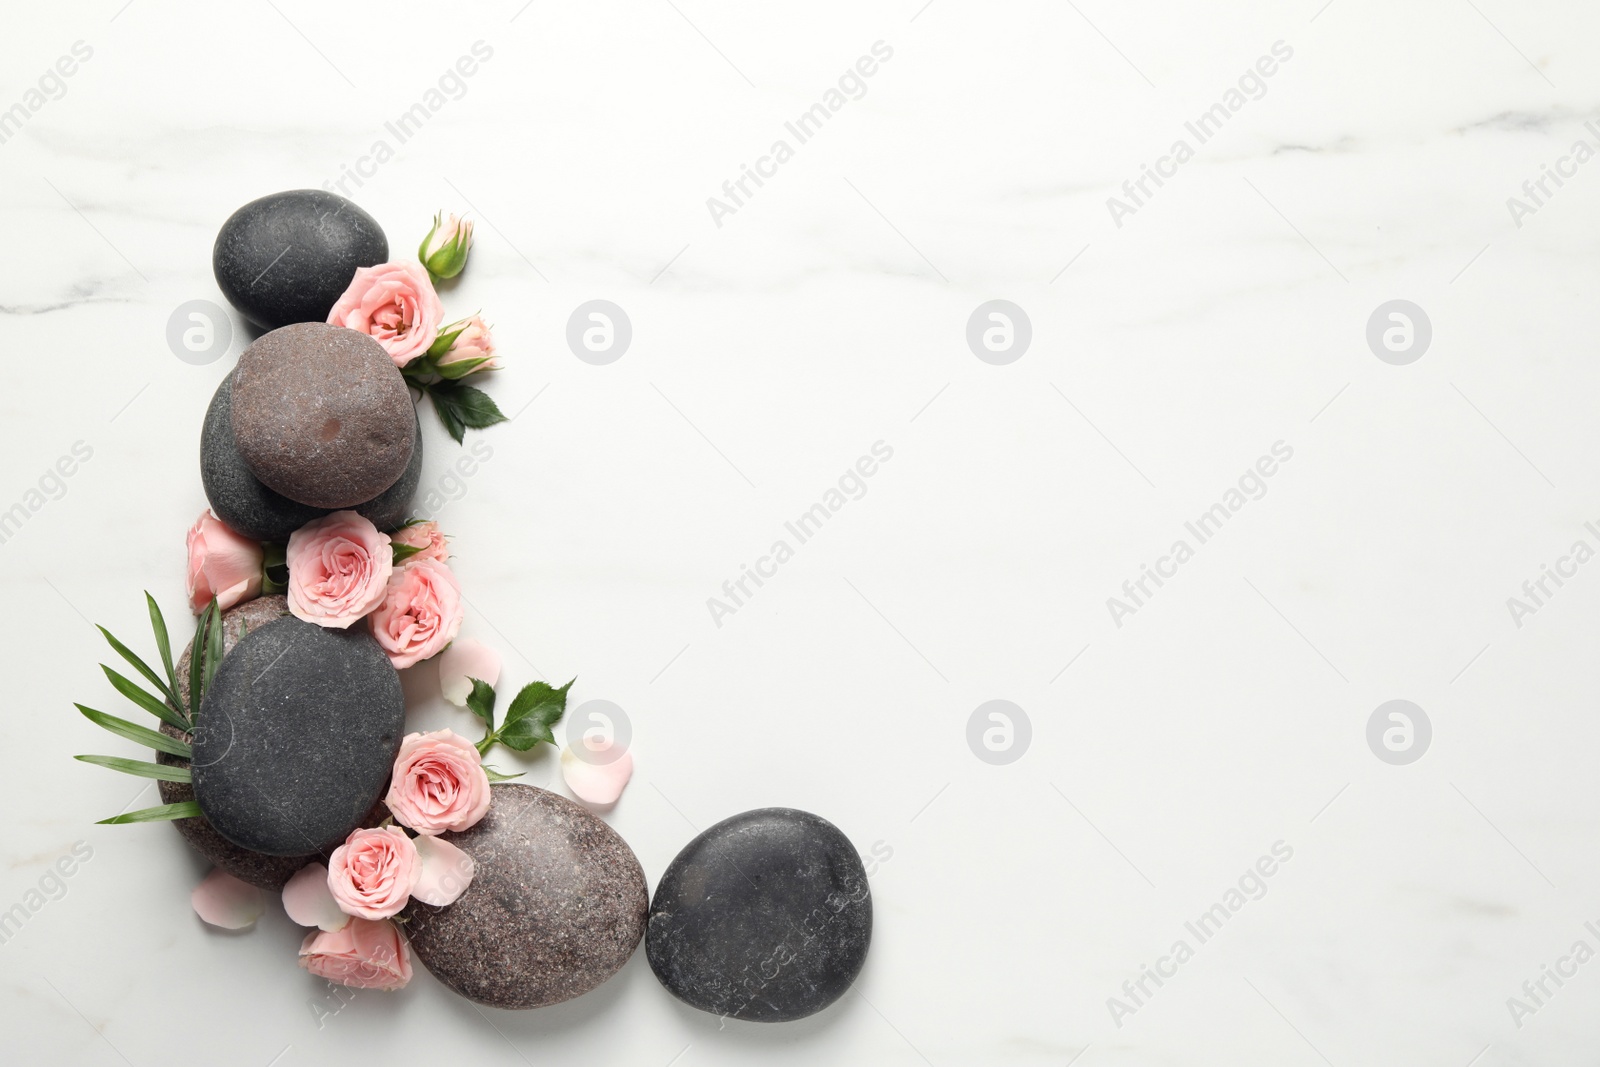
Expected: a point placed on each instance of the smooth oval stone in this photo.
(556, 905)
(259, 869)
(296, 737)
(765, 916)
(245, 505)
(288, 257)
(322, 415)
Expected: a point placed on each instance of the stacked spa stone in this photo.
(296, 735)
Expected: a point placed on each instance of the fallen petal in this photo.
(593, 781)
(223, 900)
(446, 871)
(309, 901)
(463, 661)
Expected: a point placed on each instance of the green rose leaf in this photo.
(481, 702)
(532, 712)
(462, 406)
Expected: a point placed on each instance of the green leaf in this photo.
(187, 809)
(172, 746)
(139, 768)
(163, 645)
(495, 776)
(138, 664)
(405, 552)
(461, 406)
(481, 702)
(197, 662)
(214, 644)
(532, 712)
(153, 704)
(460, 368)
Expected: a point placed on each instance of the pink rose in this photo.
(339, 566)
(470, 343)
(221, 564)
(372, 874)
(396, 304)
(419, 614)
(426, 538)
(363, 955)
(438, 783)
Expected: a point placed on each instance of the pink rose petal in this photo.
(595, 782)
(223, 900)
(309, 901)
(463, 661)
(446, 872)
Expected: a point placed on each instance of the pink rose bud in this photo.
(420, 612)
(394, 303)
(222, 564)
(339, 567)
(464, 348)
(373, 873)
(438, 784)
(444, 250)
(363, 955)
(426, 537)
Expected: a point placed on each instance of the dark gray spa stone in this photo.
(765, 916)
(244, 504)
(556, 905)
(259, 869)
(322, 415)
(288, 257)
(296, 737)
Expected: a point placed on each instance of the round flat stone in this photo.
(765, 916)
(247, 506)
(556, 905)
(322, 415)
(288, 257)
(296, 737)
(259, 869)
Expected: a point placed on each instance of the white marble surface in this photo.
(826, 314)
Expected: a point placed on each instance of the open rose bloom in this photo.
(363, 954)
(420, 613)
(438, 783)
(339, 567)
(222, 564)
(396, 304)
(372, 874)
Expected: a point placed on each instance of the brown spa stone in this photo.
(556, 906)
(322, 415)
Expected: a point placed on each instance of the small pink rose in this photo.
(372, 874)
(426, 538)
(339, 567)
(394, 303)
(419, 613)
(363, 955)
(472, 342)
(438, 783)
(222, 564)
